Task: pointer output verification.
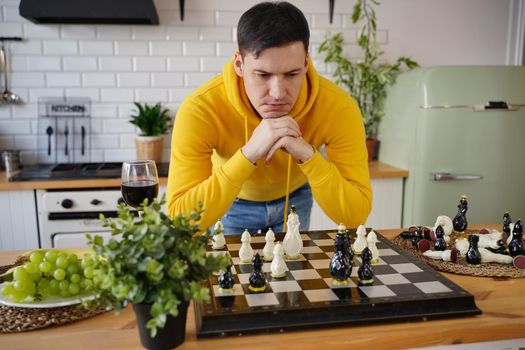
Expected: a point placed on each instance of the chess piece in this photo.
(440, 243)
(371, 241)
(278, 266)
(473, 255)
(487, 256)
(218, 237)
(460, 220)
(292, 242)
(365, 273)
(445, 255)
(257, 279)
(493, 241)
(446, 224)
(226, 280)
(246, 251)
(462, 246)
(360, 241)
(268, 247)
(340, 264)
(506, 228)
(516, 244)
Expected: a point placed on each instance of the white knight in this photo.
(360, 241)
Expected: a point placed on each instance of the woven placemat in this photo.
(20, 319)
(461, 267)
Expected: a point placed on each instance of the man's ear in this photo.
(306, 63)
(238, 64)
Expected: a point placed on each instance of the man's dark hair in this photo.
(271, 24)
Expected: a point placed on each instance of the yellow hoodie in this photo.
(207, 165)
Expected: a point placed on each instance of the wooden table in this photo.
(501, 300)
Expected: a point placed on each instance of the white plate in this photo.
(48, 302)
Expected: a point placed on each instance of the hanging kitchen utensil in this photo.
(7, 96)
(83, 139)
(49, 132)
(66, 134)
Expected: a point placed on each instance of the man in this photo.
(249, 137)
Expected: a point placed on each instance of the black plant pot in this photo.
(169, 337)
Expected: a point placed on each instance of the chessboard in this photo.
(404, 289)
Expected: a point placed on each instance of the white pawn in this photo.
(488, 256)
(292, 242)
(360, 241)
(446, 224)
(218, 238)
(246, 251)
(444, 255)
(278, 266)
(268, 247)
(462, 246)
(371, 241)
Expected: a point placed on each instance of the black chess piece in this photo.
(340, 264)
(516, 243)
(226, 280)
(440, 243)
(257, 278)
(365, 273)
(473, 256)
(413, 232)
(460, 220)
(506, 226)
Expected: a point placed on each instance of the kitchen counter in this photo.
(500, 300)
(377, 170)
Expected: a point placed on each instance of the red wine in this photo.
(134, 192)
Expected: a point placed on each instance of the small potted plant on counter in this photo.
(366, 80)
(153, 123)
(156, 264)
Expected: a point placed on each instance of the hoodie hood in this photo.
(237, 96)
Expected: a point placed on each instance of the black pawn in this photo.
(473, 256)
(516, 244)
(226, 280)
(257, 279)
(440, 243)
(365, 273)
(340, 264)
(506, 226)
(460, 220)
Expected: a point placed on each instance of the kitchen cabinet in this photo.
(18, 220)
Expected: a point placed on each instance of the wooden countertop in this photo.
(500, 299)
(377, 170)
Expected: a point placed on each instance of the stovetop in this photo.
(76, 171)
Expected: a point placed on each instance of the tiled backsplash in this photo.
(115, 65)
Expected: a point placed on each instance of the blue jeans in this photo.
(254, 216)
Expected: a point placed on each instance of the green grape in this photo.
(64, 293)
(53, 287)
(50, 256)
(73, 289)
(20, 274)
(35, 276)
(72, 258)
(18, 297)
(8, 289)
(62, 262)
(59, 274)
(75, 278)
(88, 272)
(45, 267)
(36, 257)
(88, 284)
(63, 285)
(31, 267)
(72, 268)
(86, 261)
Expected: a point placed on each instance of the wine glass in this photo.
(139, 181)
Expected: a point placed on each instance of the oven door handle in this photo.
(85, 215)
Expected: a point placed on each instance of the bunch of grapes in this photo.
(51, 273)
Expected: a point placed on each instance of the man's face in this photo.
(273, 80)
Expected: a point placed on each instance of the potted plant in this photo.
(366, 80)
(156, 264)
(153, 123)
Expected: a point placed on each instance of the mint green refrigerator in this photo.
(458, 130)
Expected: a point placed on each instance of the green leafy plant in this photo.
(151, 120)
(367, 79)
(155, 260)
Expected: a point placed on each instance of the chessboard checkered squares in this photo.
(387, 252)
(261, 299)
(432, 287)
(320, 264)
(329, 282)
(237, 290)
(394, 278)
(377, 291)
(308, 274)
(324, 242)
(317, 295)
(405, 268)
(285, 286)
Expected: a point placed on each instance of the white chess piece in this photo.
(218, 237)
(446, 224)
(444, 255)
(490, 240)
(462, 246)
(511, 228)
(371, 241)
(292, 242)
(341, 228)
(246, 251)
(268, 247)
(360, 241)
(278, 266)
(488, 256)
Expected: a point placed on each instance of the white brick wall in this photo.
(115, 65)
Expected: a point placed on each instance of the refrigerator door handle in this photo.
(453, 177)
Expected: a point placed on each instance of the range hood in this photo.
(89, 11)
